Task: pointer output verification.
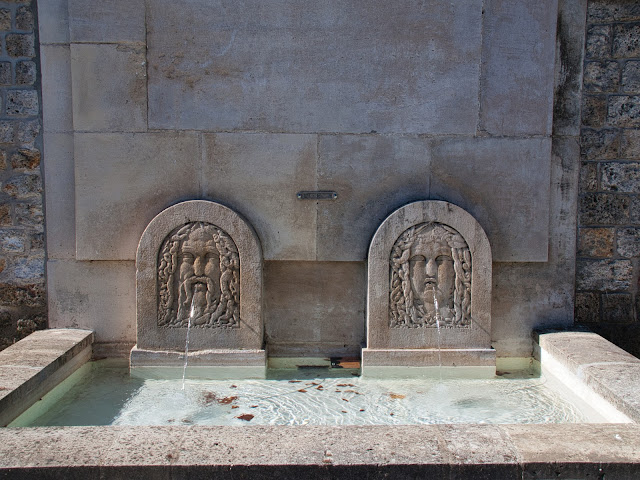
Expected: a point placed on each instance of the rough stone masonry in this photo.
(608, 254)
(22, 281)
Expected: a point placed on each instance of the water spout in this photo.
(437, 316)
(192, 314)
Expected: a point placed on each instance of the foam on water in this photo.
(109, 396)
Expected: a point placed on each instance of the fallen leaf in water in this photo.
(396, 396)
(210, 397)
(294, 381)
(245, 416)
(302, 390)
(345, 385)
(313, 383)
(344, 411)
(362, 409)
(391, 414)
(319, 387)
(353, 391)
(254, 406)
(339, 391)
(345, 399)
(234, 386)
(234, 406)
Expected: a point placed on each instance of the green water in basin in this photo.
(103, 393)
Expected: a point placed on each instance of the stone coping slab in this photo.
(428, 451)
(605, 368)
(36, 364)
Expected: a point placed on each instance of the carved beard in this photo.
(197, 299)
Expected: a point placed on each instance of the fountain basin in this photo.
(458, 451)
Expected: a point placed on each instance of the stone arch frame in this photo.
(250, 333)
(380, 336)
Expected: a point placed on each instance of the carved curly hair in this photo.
(404, 311)
(223, 312)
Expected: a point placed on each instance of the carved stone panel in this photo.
(198, 278)
(430, 278)
(429, 265)
(199, 263)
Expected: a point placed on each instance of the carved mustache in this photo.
(189, 283)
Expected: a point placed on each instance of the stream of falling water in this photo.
(186, 345)
(435, 304)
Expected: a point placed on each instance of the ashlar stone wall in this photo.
(608, 251)
(22, 279)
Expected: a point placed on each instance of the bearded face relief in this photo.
(430, 271)
(198, 278)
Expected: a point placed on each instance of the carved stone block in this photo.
(199, 266)
(429, 289)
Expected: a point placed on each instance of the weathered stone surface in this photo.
(373, 175)
(40, 362)
(109, 84)
(20, 45)
(628, 243)
(316, 57)
(29, 215)
(5, 73)
(605, 11)
(604, 275)
(603, 209)
(634, 210)
(234, 281)
(601, 76)
(24, 186)
(517, 97)
(107, 22)
(27, 131)
(589, 177)
(53, 19)
(626, 40)
(624, 110)
(587, 307)
(594, 110)
(23, 270)
(596, 242)
(12, 240)
(467, 173)
(319, 452)
(98, 296)
(598, 144)
(25, 159)
(32, 295)
(57, 110)
(258, 175)
(381, 296)
(617, 308)
(60, 199)
(569, 62)
(318, 306)
(623, 177)
(122, 181)
(618, 384)
(5, 19)
(630, 145)
(22, 102)
(631, 77)
(5, 215)
(24, 19)
(26, 73)
(598, 41)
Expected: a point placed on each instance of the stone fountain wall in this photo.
(23, 299)
(147, 104)
(609, 215)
